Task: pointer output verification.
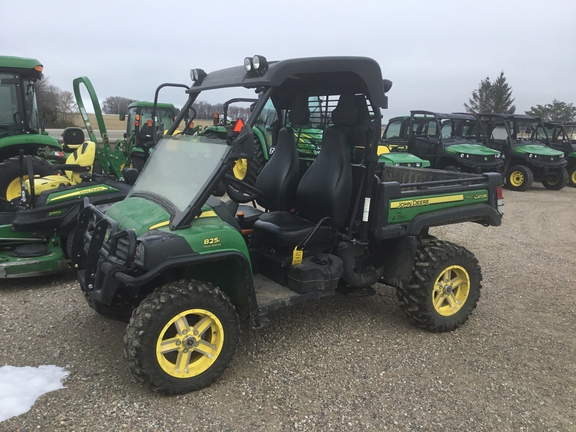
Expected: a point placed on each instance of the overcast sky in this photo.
(435, 52)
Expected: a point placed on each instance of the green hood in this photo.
(537, 149)
(473, 149)
(404, 159)
(138, 214)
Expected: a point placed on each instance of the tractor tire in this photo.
(572, 176)
(557, 181)
(519, 178)
(10, 188)
(182, 337)
(444, 288)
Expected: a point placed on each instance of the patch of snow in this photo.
(21, 386)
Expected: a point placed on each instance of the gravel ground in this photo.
(338, 363)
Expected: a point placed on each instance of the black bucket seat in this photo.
(323, 194)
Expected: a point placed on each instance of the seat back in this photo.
(83, 156)
(326, 188)
(279, 178)
(72, 138)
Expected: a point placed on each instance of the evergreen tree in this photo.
(559, 111)
(492, 97)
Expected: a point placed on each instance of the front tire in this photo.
(572, 176)
(182, 337)
(556, 181)
(519, 178)
(445, 286)
(10, 187)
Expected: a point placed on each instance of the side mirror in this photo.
(387, 85)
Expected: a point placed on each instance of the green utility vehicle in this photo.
(454, 142)
(522, 140)
(20, 131)
(184, 266)
(562, 137)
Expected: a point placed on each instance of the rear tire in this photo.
(519, 178)
(445, 286)
(10, 188)
(182, 337)
(556, 181)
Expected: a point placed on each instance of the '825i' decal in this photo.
(211, 241)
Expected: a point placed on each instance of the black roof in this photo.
(454, 116)
(315, 75)
(521, 117)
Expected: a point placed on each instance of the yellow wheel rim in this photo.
(14, 189)
(451, 290)
(516, 178)
(573, 177)
(554, 181)
(240, 169)
(190, 343)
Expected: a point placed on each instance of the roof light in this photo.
(197, 75)
(248, 64)
(39, 68)
(260, 63)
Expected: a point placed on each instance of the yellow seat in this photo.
(83, 156)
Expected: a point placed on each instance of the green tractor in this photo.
(20, 130)
(184, 266)
(562, 137)
(522, 140)
(453, 142)
(138, 138)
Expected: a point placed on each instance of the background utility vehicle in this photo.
(562, 137)
(522, 140)
(185, 265)
(20, 129)
(454, 142)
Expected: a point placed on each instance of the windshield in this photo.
(164, 118)
(11, 117)
(178, 170)
(9, 113)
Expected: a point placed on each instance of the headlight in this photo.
(498, 156)
(561, 156)
(140, 253)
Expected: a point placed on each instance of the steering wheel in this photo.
(239, 191)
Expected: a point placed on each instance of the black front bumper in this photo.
(99, 251)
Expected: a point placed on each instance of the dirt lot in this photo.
(339, 364)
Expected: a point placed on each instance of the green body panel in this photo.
(403, 159)
(405, 209)
(30, 139)
(16, 267)
(138, 214)
(572, 155)
(206, 234)
(210, 234)
(473, 149)
(536, 149)
(79, 192)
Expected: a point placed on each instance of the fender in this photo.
(192, 260)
